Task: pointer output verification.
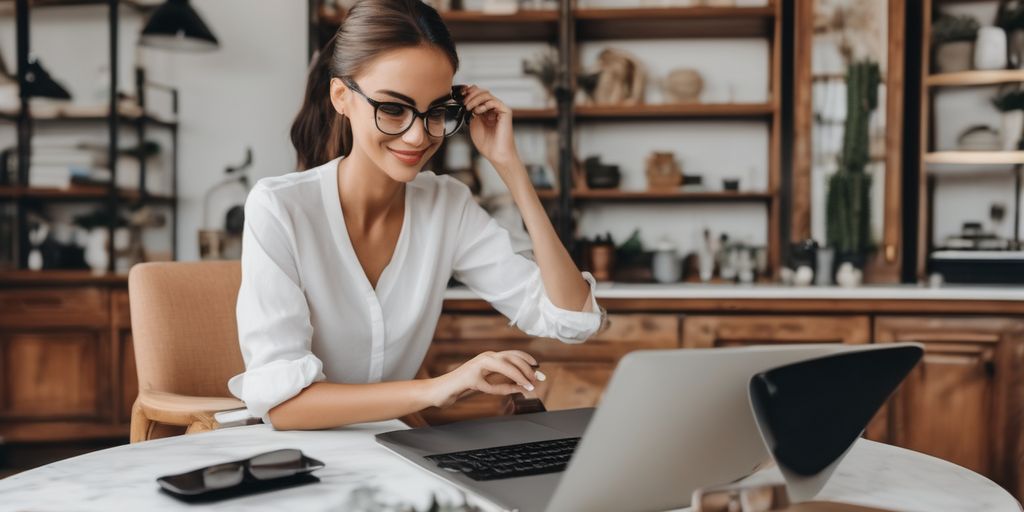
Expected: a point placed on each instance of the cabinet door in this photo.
(53, 375)
(707, 331)
(960, 404)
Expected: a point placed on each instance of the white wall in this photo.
(242, 95)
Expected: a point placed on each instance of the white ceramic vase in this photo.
(1012, 129)
(990, 48)
(96, 254)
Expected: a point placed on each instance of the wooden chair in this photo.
(186, 345)
(186, 348)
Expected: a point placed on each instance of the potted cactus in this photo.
(953, 42)
(848, 204)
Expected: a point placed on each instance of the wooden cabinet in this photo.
(52, 375)
(577, 373)
(963, 402)
(707, 331)
(60, 373)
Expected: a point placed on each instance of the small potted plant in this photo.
(1011, 105)
(953, 42)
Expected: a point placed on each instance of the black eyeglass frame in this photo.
(463, 117)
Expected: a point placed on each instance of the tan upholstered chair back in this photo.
(183, 326)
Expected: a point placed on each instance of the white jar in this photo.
(990, 48)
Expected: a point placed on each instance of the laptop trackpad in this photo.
(472, 435)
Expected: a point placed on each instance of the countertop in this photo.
(774, 291)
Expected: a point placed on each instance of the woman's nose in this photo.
(415, 134)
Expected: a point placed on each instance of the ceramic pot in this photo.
(990, 48)
(954, 56)
(666, 266)
(96, 254)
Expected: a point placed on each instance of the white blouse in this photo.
(306, 311)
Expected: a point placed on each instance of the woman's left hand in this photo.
(491, 127)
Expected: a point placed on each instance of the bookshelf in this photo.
(118, 117)
(567, 27)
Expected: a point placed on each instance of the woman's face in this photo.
(420, 77)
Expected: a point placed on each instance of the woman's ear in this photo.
(339, 91)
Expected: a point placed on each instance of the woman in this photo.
(344, 265)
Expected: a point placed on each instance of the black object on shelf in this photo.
(42, 85)
(175, 25)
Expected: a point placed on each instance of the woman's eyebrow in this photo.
(412, 102)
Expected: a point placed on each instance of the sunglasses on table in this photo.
(394, 118)
(266, 471)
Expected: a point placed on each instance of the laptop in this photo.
(670, 422)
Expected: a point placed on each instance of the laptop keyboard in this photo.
(509, 461)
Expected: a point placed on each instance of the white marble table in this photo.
(123, 478)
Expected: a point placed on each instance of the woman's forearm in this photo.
(328, 404)
(562, 280)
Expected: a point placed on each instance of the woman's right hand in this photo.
(495, 373)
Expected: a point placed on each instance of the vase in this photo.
(954, 56)
(1012, 129)
(990, 48)
(666, 266)
(96, 253)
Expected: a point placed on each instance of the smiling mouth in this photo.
(408, 156)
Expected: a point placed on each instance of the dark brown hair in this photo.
(370, 28)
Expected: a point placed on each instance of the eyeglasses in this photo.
(266, 470)
(394, 118)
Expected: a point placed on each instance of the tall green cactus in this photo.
(848, 204)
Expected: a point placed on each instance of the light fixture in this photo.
(175, 25)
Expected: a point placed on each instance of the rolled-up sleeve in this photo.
(274, 329)
(486, 263)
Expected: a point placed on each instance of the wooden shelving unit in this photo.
(975, 77)
(932, 83)
(568, 26)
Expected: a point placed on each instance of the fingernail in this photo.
(540, 375)
(528, 386)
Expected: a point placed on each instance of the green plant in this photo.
(948, 29)
(1009, 100)
(848, 204)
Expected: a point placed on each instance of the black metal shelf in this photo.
(113, 197)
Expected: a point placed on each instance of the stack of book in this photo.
(53, 165)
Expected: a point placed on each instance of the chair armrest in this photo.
(175, 409)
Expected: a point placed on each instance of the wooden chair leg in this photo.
(141, 426)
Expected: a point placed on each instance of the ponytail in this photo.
(317, 117)
(371, 27)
